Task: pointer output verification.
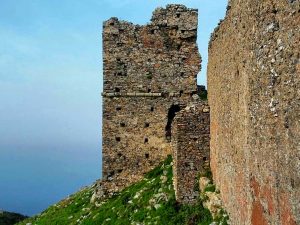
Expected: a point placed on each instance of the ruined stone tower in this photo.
(149, 75)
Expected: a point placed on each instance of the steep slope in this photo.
(150, 201)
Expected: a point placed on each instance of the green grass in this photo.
(203, 95)
(149, 76)
(210, 188)
(150, 201)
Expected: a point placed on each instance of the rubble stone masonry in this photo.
(149, 75)
(190, 144)
(254, 98)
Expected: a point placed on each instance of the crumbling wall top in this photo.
(161, 56)
(176, 15)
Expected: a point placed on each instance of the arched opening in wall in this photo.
(171, 115)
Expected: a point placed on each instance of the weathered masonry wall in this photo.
(190, 145)
(254, 98)
(149, 75)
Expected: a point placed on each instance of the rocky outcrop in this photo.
(9, 218)
(253, 92)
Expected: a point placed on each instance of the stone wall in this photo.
(190, 145)
(149, 75)
(254, 98)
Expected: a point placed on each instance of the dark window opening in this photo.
(292, 183)
(147, 124)
(121, 74)
(275, 11)
(117, 89)
(120, 171)
(178, 15)
(149, 75)
(149, 90)
(119, 155)
(178, 47)
(122, 124)
(118, 139)
(118, 108)
(112, 23)
(110, 174)
(181, 93)
(152, 31)
(204, 158)
(121, 68)
(146, 140)
(147, 155)
(195, 139)
(171, 115)
(182, 74)
(152, 109)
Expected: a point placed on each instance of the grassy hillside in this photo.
(150, 201)
(8, 218)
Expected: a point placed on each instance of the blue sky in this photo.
(50, 85)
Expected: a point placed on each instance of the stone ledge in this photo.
(140, 94)
(131, 94)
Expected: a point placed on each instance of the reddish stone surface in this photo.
(253, 93)
(257, 216)
(286, 213)
(269, 196)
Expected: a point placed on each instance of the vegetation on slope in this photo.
(150, 201)
(9, 218)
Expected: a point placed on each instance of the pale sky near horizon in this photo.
(50, 85)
